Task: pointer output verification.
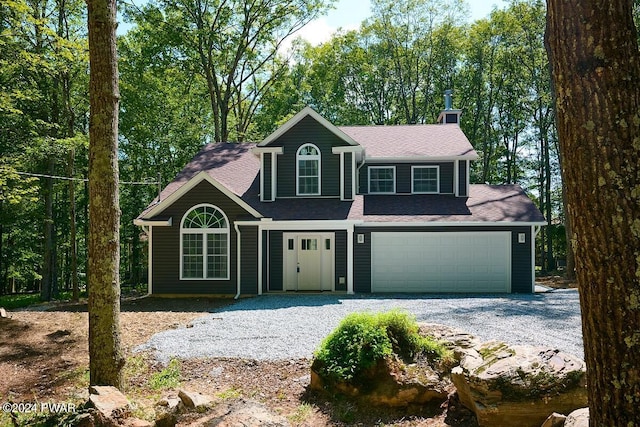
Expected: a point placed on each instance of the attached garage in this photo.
(441, 261)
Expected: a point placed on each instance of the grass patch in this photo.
(362, 339)
(301, 414)
(230, 393)
(167, 378)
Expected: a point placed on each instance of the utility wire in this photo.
(67, 178)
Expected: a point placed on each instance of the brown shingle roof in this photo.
(443, 141)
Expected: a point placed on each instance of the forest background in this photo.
(199, 71)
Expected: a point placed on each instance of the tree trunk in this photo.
(72, 232)
(595, 61)
(105, 354)
(46, 287)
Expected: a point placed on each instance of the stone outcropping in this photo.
(389, 383)
(578, 418)
(519, 385)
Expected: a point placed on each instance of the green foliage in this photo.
(19, 301)
(167, 378)
(363, 339)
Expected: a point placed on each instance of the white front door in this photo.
(308, 261)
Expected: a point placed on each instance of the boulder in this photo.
(578, 418)
(167, 410)
(554, 420)
(519, 385)
(389, 383)
(194, 400)
(457, 340)
(110, 404)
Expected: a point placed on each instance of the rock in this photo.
(136, 422)
(519, 385)
(110, 403)
(3, 313)
(554, 420)
(242, 413)
(578, 418)
(167, 410)
(389, 383)
(194, 400)
(457, 340)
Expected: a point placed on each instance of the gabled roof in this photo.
(307, 111)
(412, 141)
(231, 168)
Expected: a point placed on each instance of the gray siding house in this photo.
(316, 207)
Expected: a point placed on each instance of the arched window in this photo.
(204, 244)
(308, 170)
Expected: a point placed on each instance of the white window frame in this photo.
(204, 232)
(436, 167)
(393, 168)
(317, 157)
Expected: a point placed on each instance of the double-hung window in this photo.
(425, 179)
(382, 179)
(308, 170)
(204, 244)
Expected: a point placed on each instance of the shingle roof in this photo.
(237, 168)
(412, 140)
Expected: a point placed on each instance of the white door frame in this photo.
(291, 247)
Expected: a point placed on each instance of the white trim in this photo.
(342, 176)
(204, 232)
(274, 175)
(195, 180)
(436, 167)
(154, 223)
(259, 261)
(416, 159)
(317, 157)
(451, 224)
(354, 174)
(238, 265)
(306, 111)
(262, 177)
(300, 225)
(369, 179)
(347, 149)
(468, 179)
(350, 250)
(272, 150)
(456, 178)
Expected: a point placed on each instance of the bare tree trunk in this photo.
(105, 353)
(46, 287)
(593, 48)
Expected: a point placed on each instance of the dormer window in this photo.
(425, 179)
(382, 179)
(308, 170)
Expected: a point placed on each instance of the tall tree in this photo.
(593, 49)
(105, 352)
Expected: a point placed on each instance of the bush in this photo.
(363, 339)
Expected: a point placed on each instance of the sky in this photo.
(348, 14)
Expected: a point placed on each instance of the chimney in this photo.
(449, 115)
(447, 99)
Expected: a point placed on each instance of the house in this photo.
(355, 209)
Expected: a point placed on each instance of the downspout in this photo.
(237, 228)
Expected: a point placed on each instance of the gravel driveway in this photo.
(284, 327)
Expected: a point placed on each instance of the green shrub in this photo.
(362, 339)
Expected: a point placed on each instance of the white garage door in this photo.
(441, 262)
